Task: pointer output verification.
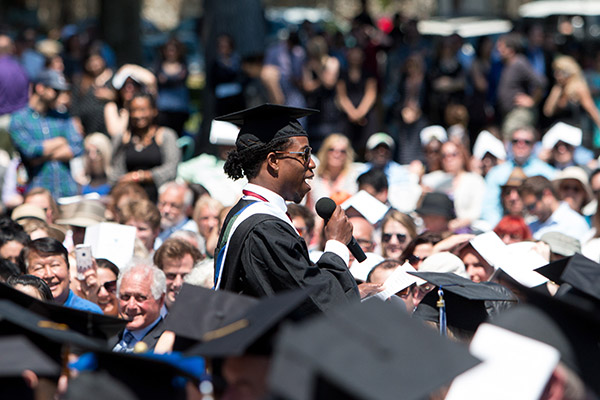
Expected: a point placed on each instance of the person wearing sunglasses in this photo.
(106, 297)
(521, 154)
(572, 187)
(541, 201)
(397, 231)
(259, 252)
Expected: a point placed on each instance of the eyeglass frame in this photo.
(306, 154)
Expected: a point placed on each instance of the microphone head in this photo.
(325, 207)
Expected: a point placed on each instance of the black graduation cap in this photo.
(85, 322)
(139, 376)
(252, 331)
(367, 350)
(572, 330)
(211, 308)
(578, 271)
(19, 354)
(465, 300)
(48, 336)
(261, 124)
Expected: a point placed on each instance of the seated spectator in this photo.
(106, 295)
(31, 285)
(48, 259)
(374, 182)
(43, 199)
(397, 231)
(145, 153)
(512, 229)
(478, 269)
(561, 148)
(420, 248)
(521, 147)
(432, 138)
(141, 290)
(380, 149)
(174, 203)
(334, 176)
(87, 213)
(176, 258)
(206, 216)
(119, 195)
(192, 238)
(145, 217)
(572, 187)
(96, 164)
(540, 200)
(303, 220)
(436, 210)
(8, 269)
(12, 239)
(511, 201)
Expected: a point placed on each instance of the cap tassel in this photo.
(441, 304)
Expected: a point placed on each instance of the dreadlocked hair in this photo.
(247, 161)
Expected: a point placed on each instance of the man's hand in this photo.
(368, 289)
(338, 227)
(523, 100)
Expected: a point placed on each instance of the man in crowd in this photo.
(144, 215)
(174, 203)
(539, 199)
(141, 290)
(48, 259)
(46, 139)
(260, 253)
(522, 141)
(176, 258)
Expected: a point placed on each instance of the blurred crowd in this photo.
(427, 143)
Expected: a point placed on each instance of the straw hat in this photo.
(87, 213)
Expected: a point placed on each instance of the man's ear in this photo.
(273, 161)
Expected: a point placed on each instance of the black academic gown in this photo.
(267, 256)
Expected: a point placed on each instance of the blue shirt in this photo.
(564, 220)
(29, 130)
(76, 302)
(491, 210)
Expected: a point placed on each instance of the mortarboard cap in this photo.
(212, 308)
(377, 353)
(48, 336)
(561, 244)
(145, 376)
(19, 354)
(261, 124)
(572, 330)
(251, 331)
(85, 322)
(578, 271)
(465, 300)
(525, 366)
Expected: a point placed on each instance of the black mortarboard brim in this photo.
(47, 335)
(465, 300)
(252, 331)
(147, 377)
(85, 322)
(261, 124)
(97, 386)
(578, 271)
(573, 331)
(19, 354)
(368, 350)
(211, 310)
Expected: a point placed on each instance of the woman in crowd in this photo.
(572, 187)
(570, 100)
(512, 229)
(129, 80)
(93, 92)
(420, 248)
(146, 153)
(397, 231)
(464, 187)
(357, 92)
(106, 297)
(31, 285)
(173, 97)
(334, 177)
(96, 164)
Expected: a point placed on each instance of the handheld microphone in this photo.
(325, 208)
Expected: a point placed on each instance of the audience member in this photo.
(397, 231)
(174, 203)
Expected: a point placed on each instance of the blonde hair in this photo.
(570, 67)
(327, 144)
(104, 146)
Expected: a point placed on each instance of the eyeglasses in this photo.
(530, 207)
(110, 287)
(400, 237)
(306, 153)
(412, 259)
(524, 141)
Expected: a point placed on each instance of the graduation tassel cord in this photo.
(206, 387)
(441, 304)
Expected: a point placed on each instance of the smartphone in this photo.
(83, 256)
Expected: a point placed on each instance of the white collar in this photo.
(271, 196)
